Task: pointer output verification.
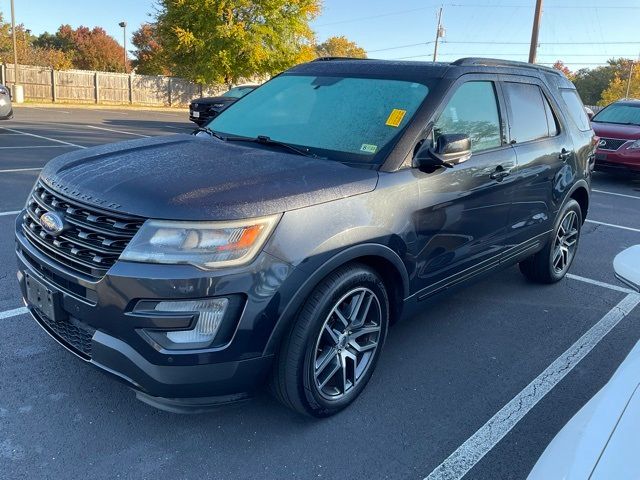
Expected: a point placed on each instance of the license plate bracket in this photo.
(601, 156)
(45, 299)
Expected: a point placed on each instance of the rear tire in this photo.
(552, 263)
(330, 353)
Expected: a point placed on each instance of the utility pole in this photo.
(124, 37)
(534, 32)
(439, 34)
(629, 80)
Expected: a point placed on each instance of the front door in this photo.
(464, 210)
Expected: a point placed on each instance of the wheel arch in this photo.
(580, 193)
(386, 262)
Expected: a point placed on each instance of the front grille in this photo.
(71, 332)
(92, 240)
(611, 143)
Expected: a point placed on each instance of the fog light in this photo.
(211, 312)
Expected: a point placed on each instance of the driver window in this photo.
(473, 110)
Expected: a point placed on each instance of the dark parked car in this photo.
(280, 243)
(6, 111)
(201, 110)
(618, 127)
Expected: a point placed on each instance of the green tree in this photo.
(340, 47)
(148, 56)
(215, 41)
(29, 51)
(617, 88)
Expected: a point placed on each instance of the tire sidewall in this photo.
(361, 277)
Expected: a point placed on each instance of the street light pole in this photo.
(124, 37)
(629, 80)
(15, 49)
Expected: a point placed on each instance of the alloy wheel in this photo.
(565, 243)
(347, 343)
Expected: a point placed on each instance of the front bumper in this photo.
(100, 327)
(203, 117)
(621, 160)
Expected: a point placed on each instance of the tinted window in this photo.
(341, 117)
(576, 108)
(528, 112)
(472, 110)
(619, 113)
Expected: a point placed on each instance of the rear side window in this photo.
(531, 115)
(575, 108)
(472, 110)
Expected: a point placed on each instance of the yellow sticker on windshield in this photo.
(395, 117)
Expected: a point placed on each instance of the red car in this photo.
(618, 127)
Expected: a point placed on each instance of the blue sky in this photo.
(580, 32)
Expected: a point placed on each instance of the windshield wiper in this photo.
(208, 131)
(264, 140)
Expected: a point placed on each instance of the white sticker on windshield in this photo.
(368, 148)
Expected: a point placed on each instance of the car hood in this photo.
(611, 130)
(186, 177)
(212, 100)
(600, 441)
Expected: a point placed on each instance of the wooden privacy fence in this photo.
(82, 86)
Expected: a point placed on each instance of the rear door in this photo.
(544, 152)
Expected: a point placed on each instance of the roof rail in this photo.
(328, 59)
(494, 62)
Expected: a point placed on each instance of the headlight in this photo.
(4, 90)
(634, 145)
(217, 105)
(205, 245)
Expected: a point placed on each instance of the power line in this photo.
(400, 46)
(477, 5)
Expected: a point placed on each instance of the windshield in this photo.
(623, 114)
(237, 92)
(347, 119)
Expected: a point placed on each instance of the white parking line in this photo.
(481, 442)
(6, 214)
(599, 283)
(9, 170)
(37, 146)
(117, 131)
(616, 194)
(613, 225)
(13, 313)
(40, 136)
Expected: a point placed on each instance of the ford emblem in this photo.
(52, 223)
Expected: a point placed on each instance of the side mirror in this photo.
(627, 266)
(450, 149)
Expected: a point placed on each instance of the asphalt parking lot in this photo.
(477, 384)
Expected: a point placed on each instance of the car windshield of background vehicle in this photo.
(237, 92)
(345, 119)
(622, 114)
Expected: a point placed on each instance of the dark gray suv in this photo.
(278, 243)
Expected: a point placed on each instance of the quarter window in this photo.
(576, 108)
(473, 110)
(531, 115)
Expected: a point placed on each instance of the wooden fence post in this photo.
(131, 88)
(53, 86)
(169, 90)
(3, 74)
(95, 87)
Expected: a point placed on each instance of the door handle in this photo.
(565, 155)
(499, 173)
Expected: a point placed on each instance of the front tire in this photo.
(552, 263)
(332, 349)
